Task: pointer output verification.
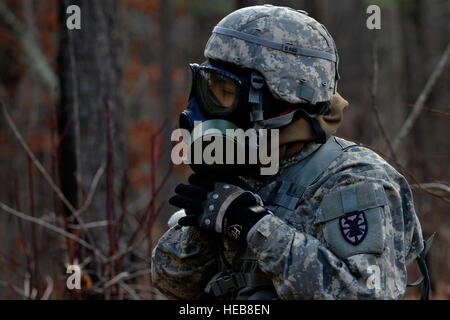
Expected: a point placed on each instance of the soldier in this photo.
(336, 222)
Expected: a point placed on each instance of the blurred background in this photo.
(87, 115)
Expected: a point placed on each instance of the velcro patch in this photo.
(353, 219)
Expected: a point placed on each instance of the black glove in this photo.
(219, 206)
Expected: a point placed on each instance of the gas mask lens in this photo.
(217, 90)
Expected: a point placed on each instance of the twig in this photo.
(53, 228)
(92, 189)
(35, 160)
(409, 122)
(403, 170)
(13, 288)
(115, 280)
(129, 290)
(373, 93)
(437, 111)
(48, 291)
(33, 52)
(90, 225)
(433, 185)
(120, 254)
(145, 216)
(34, 244)
(12, 265)
(138, 273)
(44, 172)
(110, 185)
(19, 222)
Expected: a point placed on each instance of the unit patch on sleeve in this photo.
(353, 219)
(354, 227)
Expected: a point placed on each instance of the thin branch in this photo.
(404, 171)
(34, 55)
(90, 225)
(437, 111)
(433, 185)
(122, 253)
(92, 189)
(115, 280)
(373, 93)
(129, 290)
(409, 122)
(51, 227)
(48, 291)
(138, 273)
(45, 174)
(35, 160)
(17, 290)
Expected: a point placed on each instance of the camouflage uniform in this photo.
(302, 251)
(308, 249)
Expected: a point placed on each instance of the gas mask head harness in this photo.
(224, 96)
(241, 97)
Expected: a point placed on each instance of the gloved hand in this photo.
(219, 206)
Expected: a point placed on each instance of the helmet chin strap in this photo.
(286, 119)
(257, 116)
(255, 97)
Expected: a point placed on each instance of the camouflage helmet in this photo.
(295, 54)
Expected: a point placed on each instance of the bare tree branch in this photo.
(31, 48)
(433, 185)
(48, 291)
(89, 225)
(409, 122)
(129, 290)
(404, 171)
(92, 189)
(76, 213)
(115, 280)
(373, 93)
(17, 290)
(35, 160)
(53, 228)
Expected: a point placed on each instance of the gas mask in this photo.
(224, 103)
(220, 91)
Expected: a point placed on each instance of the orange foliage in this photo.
(142, 138)
(179, 103)
(139, 178)
(179, 75)
(154, 73)
(139, 150)
(149, 6)
(131, 74)
(181, 9)
(41, 142)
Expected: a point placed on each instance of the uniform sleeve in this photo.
(329, 267)
(183, 262)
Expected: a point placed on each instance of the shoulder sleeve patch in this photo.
(353, 219)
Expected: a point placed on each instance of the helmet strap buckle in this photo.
(255, 97)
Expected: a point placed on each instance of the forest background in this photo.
(87, 114)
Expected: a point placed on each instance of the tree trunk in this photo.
(90, 112)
